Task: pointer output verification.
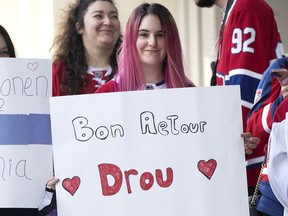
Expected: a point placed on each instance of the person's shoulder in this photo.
(277, 63)
(280, 113)
(268, 75)
(110, 86)
(255, 6)
(57, 64)
(57, 67)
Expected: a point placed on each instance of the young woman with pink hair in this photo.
(151, 54)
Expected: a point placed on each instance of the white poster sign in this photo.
(25, 130)
(162, 152)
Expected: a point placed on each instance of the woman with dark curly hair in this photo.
(84, 58)
(84, 50)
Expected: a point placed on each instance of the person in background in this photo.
(278, 155)
(248, 42)
(269, 96)
(84, 59)
(6, 45)
(151, 55)
(7, 51)
(85, 47)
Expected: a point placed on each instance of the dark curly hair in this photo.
(68, 48)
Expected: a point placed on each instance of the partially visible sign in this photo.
(25, 131)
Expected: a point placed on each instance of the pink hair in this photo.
(130, 74)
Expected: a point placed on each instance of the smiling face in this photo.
(150, 42)
(3, 48)
(101, 25)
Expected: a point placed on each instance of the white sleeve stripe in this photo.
(45, 200)
(265, 171)
(280, 52)
(264, 118)
(246, 104)
(255, 161)
(242, 71)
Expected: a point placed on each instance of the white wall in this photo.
(30, 25)
(280, 8)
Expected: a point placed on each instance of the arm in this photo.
(249, 45)
(259, 122)
(47, 204)
(267, 99)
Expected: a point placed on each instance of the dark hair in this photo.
(8, 41)
(68, 48)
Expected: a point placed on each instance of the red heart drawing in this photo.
(71, 185)
(207, 168)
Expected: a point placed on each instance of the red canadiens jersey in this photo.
(110, 86)
(96, 77)
(250, 41)
(275, 158)
(262, 115)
